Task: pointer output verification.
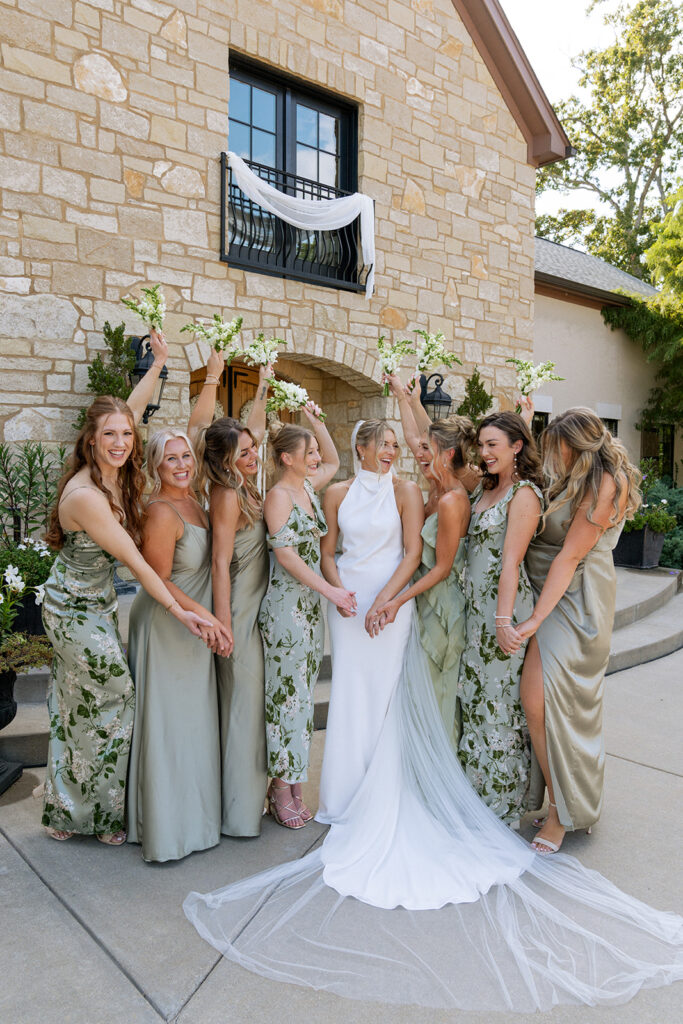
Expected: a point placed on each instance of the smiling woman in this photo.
(95, 521)
(174, 793)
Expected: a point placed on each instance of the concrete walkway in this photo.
(92, 935)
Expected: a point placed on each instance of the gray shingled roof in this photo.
(555, 263)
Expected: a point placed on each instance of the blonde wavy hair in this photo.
(218, 450)
(595, 453)
(154, 455)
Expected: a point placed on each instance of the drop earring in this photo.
(514, 465)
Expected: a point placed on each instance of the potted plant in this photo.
(18, 652)
(642, 539)
(32, 560)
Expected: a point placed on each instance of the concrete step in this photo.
(25, 739)
(642, 591)
(651, 637)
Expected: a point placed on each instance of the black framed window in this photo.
(539, 423)
(303, 142)
(611, 424)
(659, 444)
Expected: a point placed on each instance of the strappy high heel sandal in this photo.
(277, 811)
(112, 838)
(58, 833)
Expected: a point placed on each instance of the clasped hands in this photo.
(510, 638)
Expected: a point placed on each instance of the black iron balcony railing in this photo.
(253, 238)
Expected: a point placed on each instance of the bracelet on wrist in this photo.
(168, 607)
(210, 379)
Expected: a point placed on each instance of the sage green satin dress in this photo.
(91, 698)
(241, 689)
(574, 643)
(441, 621)
(173, 795)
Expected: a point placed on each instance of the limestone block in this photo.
(413, 199)
(65, 185)
(10, 117)
(10, 266)
(394, 318)
(168, 132)
(137, 222)
(183, 181)
(51, 230)
(18, 175)
(97, 221)
(175, 30)
(187, 226)
(43, 317)
(478, 267)
(58, 381)
(135, 182)
(42, 424)
(96, 74)
(120, 38)
(125, 121)
(76, 279)
(451, 294)
(214, 293)
(19, 285)
(104, 250)
(27, 62)
(470, 179)
(107, 191)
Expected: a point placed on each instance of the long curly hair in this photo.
(131, 474)
(595, 452)
(528, 459)
(218, 450)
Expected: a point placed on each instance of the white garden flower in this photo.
(430, 352)
(39, 592)
(287, 395)
(219, 334)
(151, 308)
(391, 356)
(13, 580)
(262, 350)
(530, 378)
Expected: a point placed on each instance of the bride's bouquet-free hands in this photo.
(151, 308)
(219, 334)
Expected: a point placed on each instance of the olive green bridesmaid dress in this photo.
(241, 689)
(173, 795)
(441, 620)
(574, 643)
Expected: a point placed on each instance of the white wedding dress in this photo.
(419, 894)
(365, 669)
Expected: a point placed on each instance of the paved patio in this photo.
(92, 935)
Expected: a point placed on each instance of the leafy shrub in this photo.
(32, 560)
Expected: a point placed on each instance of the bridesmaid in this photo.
(443, 459)
(91, 698)
(591, 489)
(291, 618)
(494, 747)
(174, 793)
(229, 467)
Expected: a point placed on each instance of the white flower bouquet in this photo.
(530, 377)
(262, 350)
(391, 356)
(287, 396)
(151, 307)
(431, 352)
(219, 334)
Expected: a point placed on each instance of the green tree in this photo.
(657, 323)
(111, 376)
(628, 135)
(476, 401)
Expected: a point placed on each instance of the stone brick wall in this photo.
(112, 118)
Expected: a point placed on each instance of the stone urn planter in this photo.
(9, 772)
(639, 549)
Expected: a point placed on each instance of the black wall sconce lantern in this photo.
(144, 357)
(437, 402)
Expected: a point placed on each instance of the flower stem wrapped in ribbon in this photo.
(151, 308)
(219, 334)
(262, 350)
(530, 378)
(391, 356)
(287, 396)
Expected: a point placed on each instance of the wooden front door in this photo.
(238, 386)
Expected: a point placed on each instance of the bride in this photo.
(499, 927)
(379, 519)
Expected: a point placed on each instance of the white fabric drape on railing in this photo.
(314, 214)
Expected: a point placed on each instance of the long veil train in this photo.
(479, 921)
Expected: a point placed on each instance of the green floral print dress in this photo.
(494, 743)
(293, 632)
(91, 700)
